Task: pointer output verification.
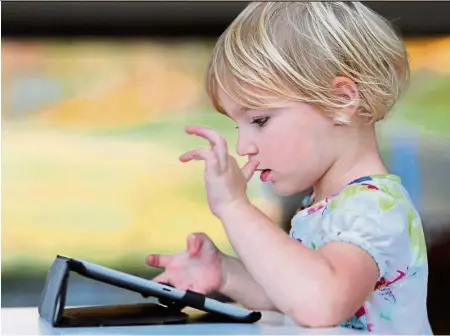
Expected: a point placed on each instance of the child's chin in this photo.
(283, 189)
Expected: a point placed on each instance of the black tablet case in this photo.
(53, 298)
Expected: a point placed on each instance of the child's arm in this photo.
(315, 288)
(240, 286)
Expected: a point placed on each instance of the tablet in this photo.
(164, 293)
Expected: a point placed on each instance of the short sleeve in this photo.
(372, 220)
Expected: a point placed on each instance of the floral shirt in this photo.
(376, 214)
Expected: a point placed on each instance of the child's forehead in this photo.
(236, 113)
(234, 109)
(230, 107)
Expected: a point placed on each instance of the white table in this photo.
(26, 321)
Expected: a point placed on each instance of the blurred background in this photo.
(95, 96)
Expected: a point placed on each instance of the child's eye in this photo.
(260, 121)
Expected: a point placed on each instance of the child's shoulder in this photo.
(382, 193)
(378, 199)
(373, 212)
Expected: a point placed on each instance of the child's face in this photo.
(295, 144)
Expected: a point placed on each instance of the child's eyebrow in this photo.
(244, 109)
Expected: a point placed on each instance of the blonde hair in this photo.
(294, 50)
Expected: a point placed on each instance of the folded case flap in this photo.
(53, 296)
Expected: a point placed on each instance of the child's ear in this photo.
(348, 94)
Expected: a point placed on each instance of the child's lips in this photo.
(265, 173)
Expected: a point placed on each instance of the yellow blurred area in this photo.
(96, 198)
(133, 100)
(429, 53)
(105, 85)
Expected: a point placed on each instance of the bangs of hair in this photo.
(246, 63)
(242, 77)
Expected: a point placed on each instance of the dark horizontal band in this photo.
(181, 18)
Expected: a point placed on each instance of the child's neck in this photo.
(359, 159)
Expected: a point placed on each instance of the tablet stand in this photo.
(53, 299)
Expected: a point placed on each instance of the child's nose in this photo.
(246, 148)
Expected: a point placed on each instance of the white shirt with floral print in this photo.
(376, 214)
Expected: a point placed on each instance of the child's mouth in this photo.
(265, 174)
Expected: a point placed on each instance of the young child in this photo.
(305, 83)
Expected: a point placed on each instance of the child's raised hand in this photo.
(226, 182)
(198, 268)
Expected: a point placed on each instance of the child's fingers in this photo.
(159, 260)
(249, 169)
(212, 163)
(205, 241)
(194, 244)
(199, 153)
(217, 142)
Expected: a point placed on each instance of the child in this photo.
(305, 82)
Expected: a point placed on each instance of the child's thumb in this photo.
(162, 278)
(249, 169)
